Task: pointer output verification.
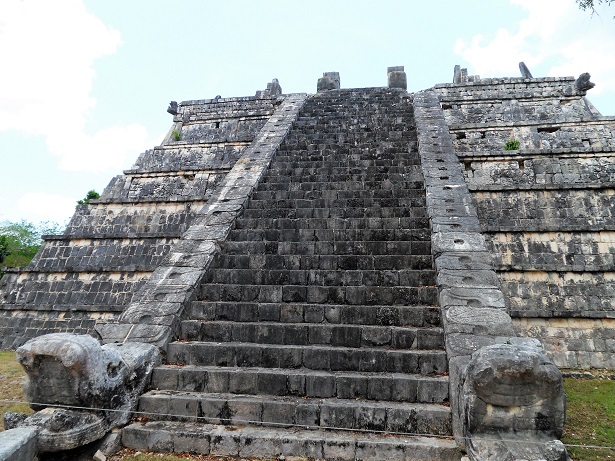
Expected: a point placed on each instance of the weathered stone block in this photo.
(397, 77)
(76, 371)
(511, 389)
(329, 81)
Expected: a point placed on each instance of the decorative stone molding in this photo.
(478, 331)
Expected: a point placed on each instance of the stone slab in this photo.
(18, 444)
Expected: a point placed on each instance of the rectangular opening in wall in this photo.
(547, 129)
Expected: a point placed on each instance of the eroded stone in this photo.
(76, 371)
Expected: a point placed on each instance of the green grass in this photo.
(11, 382)
(590, 415)
(590, 418)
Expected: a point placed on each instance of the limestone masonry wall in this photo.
(546, 209)
(113, 245)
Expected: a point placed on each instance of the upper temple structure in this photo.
(352, 274)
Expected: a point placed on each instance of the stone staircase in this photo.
(317, 332)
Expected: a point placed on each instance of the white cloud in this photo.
(108, 149)
(554, 39)
(39, 206)
(48, 49)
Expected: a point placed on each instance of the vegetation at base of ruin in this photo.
(176, 135)
(512, 144)
(590, 418)
(19, 241)
(91, 195)
(11, 383)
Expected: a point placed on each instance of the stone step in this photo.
(286, 169)
(372, 295)
(412, 203)
(307, 154)
(336, 194)
(372, 181)
(329, 358)
(313, 334)
(339, 247)
(408, 316)
(324, 262)
(307, 213)
(247, 442)
(419, 238)
(368, 187)
(332, 223)
(331, 159)
(321, 117)
(345, 137)
(321, 121)
(317, 277)
(396, 387)
(328, 262)
(276, 411)
(319, 141)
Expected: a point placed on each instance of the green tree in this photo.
(19, 241)
(91, 195)
(4, 248)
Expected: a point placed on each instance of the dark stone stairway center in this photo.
(320, 312)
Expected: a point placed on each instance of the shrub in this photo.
(91, 195)
(512, 144)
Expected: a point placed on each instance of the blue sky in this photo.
(85, 83)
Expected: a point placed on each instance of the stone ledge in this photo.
(503, 155)
(497, 187)
(143, 200)
(62, 308)
(195, 102)
(555, 123)
(504, 80)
